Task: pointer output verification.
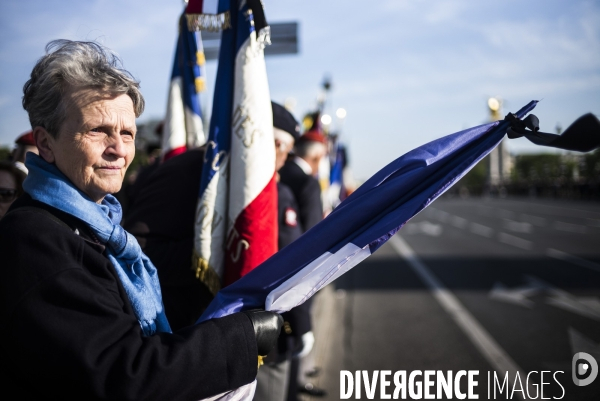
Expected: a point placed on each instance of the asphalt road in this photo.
(493, 285)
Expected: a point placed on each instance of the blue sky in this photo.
(407, 71)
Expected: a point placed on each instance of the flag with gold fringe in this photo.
(236, 218)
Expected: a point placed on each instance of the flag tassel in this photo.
(206, 274)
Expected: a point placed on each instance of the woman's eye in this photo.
(97, 129)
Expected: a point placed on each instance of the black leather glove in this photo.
(267, 326)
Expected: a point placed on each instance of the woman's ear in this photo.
(44, 142)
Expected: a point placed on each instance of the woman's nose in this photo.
(116, 147)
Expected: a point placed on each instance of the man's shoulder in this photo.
(283, 190)
(291, 174)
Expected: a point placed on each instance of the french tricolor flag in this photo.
(236, 218)
(183, 122)
(363, 222)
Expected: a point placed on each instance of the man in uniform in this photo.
(299, 174)
(273, 377)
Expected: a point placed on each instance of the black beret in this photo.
(284, 120)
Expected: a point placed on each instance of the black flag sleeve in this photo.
(582, 136)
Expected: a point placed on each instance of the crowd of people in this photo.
(76, 322)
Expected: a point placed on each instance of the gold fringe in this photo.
(200, 83)
(261, 360)
(209, 22)
(200, 58)
(206, 274)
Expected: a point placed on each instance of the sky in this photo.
(406, 71)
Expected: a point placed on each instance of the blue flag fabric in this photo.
(362, 223)
(183, 128)
(187, 66)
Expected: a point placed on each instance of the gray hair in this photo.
(309, 148)
(74, 65)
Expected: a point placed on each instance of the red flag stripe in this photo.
(253, 238)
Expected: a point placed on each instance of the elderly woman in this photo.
(82, 315)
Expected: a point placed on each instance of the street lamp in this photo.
(325, 119)
(340, 113)
(495, 104)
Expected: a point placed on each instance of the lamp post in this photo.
(499, 160)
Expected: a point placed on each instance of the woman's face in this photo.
(8, 186)
(95, 143)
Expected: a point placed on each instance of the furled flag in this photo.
(373, 213)
(183, 123)
(362, 223)
(236, 217)
(358, 226)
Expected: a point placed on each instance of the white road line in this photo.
(442, 216)
(515, 241)
(593, 223)
(505, 214)
(458, 222)
(572, 228)
(539, 206)
(556, 254)
(482, 230)
(535, 220)
(517, 226)
(479, 336)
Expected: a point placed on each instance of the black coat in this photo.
(287, 216)
(68, 330)
(162, 220)
(307, 192)
(297, 320)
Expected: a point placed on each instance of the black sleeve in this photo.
(71, 334)
(310, 204)
(289, 225)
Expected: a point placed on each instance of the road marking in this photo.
(556, 254)
(479, 336)
(442, 216)
(505, 214)
(515, 241)
(584, 306)
(517, 226)
(535, 220)
(482, 230)
(423, 227)
(538, 206)
(516, 295)
(593, 223)
(572, 228)
(459, 222)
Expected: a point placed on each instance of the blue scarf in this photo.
(46, 184)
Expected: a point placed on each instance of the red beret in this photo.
(315, 136)
(26, 139)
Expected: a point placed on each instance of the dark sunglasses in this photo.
(7, 195)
